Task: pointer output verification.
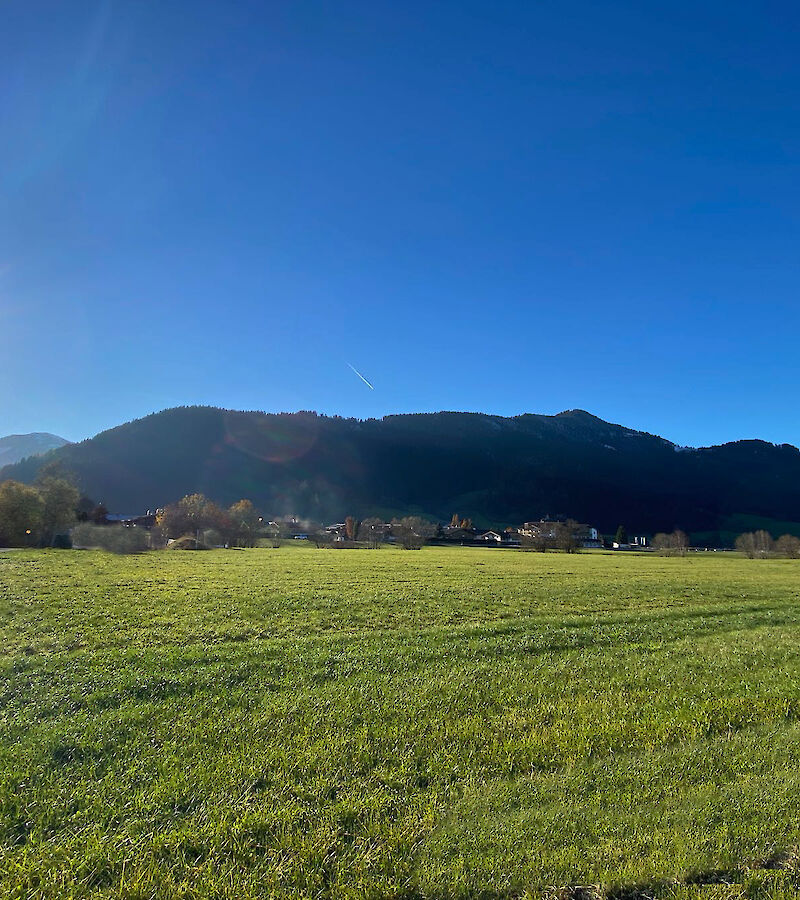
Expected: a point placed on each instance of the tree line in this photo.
(39, 514)
(44, 513)
(761, 545)
(52, 512)
(238, 525)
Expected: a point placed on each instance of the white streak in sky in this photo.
(370, 386)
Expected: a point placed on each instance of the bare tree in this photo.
(789, 546)
(676, 543)
(566, 536)
(755, 544)
(370, 532)
(412, 531)
(680, 541)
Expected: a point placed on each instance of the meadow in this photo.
(447, 723)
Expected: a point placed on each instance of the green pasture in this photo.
(447, 723)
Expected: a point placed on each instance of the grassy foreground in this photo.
(441, 724)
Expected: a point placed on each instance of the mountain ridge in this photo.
(15, 447)
(498, 470)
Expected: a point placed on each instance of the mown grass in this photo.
(442, 724)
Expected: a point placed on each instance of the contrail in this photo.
(370, 386)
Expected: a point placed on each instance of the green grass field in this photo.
(437, 724)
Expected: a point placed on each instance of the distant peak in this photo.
(576, 412)
(35, 435)
(14, 447)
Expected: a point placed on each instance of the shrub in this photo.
(112, 538)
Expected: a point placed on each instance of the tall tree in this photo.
(370, 531)
(621, 537)
(755, 544)
(60, 498)
(192, 515)
(244, 523)
(566, 536)
(21, 514)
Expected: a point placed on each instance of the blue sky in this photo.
(494, 206)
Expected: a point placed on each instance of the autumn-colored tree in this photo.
(193, 515)
(174, 521)
(350, 528)
(455, 521)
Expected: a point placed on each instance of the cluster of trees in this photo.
(409, 532)
(38, 515)
(676, 543)
(760, 545)
(200, 518)
(42, 514)
(369, 531)
(52, 512)
(457, 522)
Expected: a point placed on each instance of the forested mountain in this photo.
(15, 447)
(495, 470)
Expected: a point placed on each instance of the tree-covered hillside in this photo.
(496, 470)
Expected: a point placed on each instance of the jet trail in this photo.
(370, 386)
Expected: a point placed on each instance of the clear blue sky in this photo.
(497, 206)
